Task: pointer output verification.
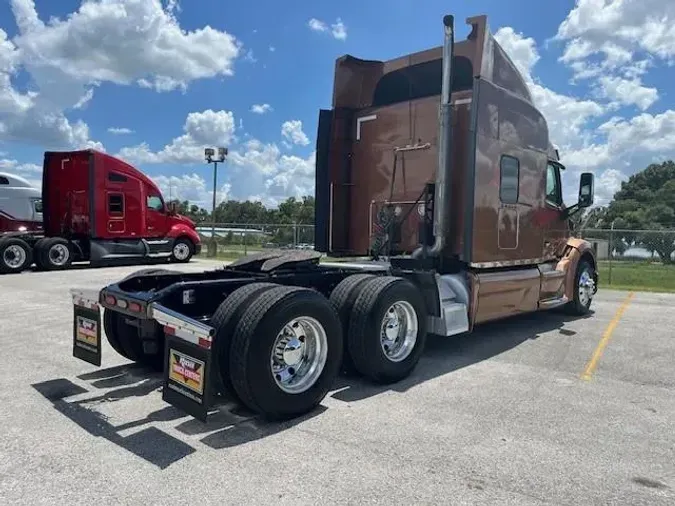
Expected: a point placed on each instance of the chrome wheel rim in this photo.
(299, 355)
(181, 251)
(14, 256)
(586, 286)
(398, 333)
(59, 254)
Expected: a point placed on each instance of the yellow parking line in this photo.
(590, 367)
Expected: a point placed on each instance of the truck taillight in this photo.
(135, 306)
(109, 299)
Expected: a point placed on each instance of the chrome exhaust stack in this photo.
(443, 180)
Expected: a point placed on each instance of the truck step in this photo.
(553, 303)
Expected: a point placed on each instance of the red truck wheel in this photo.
(54, 253)
(182, 250)
(15, 255)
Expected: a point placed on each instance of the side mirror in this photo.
(586, 189)
(172, 208)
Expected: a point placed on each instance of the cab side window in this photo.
(115, 204)
(553, 190)
(509, 180)
(155, 203)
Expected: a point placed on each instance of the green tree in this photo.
(646, 202)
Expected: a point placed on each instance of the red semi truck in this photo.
(97, 209)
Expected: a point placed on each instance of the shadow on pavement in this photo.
(150, 444)
(230, 424)
(444, 355)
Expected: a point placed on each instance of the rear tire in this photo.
(126, 340)
(286, 352)
(182, 250)
(37, 257)
(55, 253)
(111, 333)
(15, 255)
(225, 320)
(385, 306)
(342, 298)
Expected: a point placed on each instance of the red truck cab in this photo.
(119, 211)
(99, 209)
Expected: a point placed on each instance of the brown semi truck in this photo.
(439, 166)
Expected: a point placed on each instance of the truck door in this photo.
(155, 214)
(123, 199)
(556, 229)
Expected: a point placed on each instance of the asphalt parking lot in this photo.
(541, 409)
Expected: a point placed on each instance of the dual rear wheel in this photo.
(48, 253)
(279, 348)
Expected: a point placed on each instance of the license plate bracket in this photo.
(187, 368)
(87, 334)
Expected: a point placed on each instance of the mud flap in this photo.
(87, 333)
(187, 368)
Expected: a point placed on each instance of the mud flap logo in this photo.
(186, 371)
(87, 334)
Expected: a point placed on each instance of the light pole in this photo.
(209, 154)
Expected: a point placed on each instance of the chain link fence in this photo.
(627, 258)
(631, 258)
(237, 239)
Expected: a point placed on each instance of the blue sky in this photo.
(72, 72)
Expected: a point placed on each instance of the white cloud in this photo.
(607, 184)
(263, 173)
(253, 168)
(317, 25)
(11, 101)
(261, 108)
(20, 168)
(250, 57)
(84, 99)
(566, 115)
(338, 29)
(32, 172)
(202, 129)
(292, 132)
(120, 131)
(123, 41)
(627, 91)
(617, 29)
(192, 187)
(272, 49)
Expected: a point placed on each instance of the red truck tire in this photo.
(182, 250)
(15, 255)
